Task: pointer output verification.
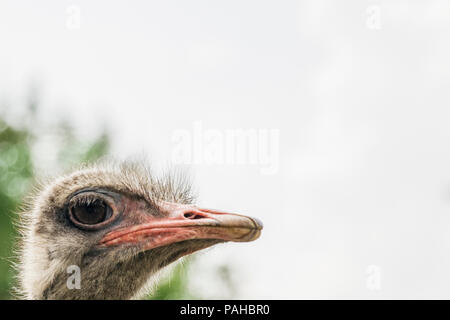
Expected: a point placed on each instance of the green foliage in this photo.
(174, 287)
(15, 176)
(74, 151)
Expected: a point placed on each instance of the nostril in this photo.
(191, 215)
(188, 215)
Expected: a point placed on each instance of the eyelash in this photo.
(86, 200)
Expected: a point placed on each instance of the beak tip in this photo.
(258, 223)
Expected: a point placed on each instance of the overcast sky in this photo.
(349, 101)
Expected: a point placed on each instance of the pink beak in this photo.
(185, 222)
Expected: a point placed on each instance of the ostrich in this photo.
(119, 225)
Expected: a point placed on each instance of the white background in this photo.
(359, 91)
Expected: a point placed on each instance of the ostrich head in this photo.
(119, 225)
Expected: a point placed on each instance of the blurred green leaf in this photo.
(175, 285)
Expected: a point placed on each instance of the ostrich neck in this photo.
(122, 280)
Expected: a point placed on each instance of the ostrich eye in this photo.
(94, 210)
(91, 213)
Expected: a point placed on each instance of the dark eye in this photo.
(92, 213)
(94, 209)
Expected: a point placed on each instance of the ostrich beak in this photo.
(184, 222)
